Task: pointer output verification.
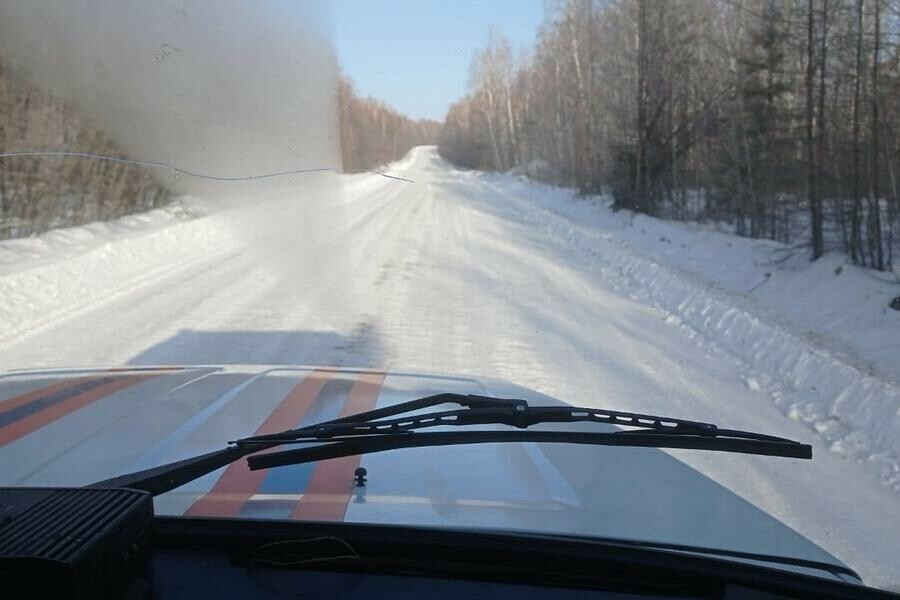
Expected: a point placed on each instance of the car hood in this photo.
(72, 427)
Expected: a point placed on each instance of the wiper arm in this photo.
(167, 477)
(383, 429)
(482, 410)
(475, 405)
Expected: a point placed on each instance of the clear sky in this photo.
(414, 54)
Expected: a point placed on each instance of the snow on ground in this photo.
(51, 276)
(489, 275)
(24, 253)
(830, 301)
(818, 337)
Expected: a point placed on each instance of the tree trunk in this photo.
(876, 251)
(820, 122)
(811, 174)
(856, 248)
(641, 117)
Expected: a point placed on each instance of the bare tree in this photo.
(815, 206)
(373, 133)
(749, 111)
(876, 251)
(37, 194)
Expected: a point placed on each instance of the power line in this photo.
(178, 171)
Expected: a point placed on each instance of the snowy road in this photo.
(451, 274)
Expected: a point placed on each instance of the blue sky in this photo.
(414, 54)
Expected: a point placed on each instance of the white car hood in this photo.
(73, 427)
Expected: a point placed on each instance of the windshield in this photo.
(221, 220)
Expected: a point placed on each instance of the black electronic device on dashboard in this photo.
(74, 542)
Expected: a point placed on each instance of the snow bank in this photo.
(48, 277)
(818, 338)
(26, 253)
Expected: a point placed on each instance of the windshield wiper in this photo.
(394, 427)
(366, 433)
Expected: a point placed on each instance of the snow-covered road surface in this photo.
(450, 274)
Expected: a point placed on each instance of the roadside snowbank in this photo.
(47, 277)
(819, 337)
(26, 253)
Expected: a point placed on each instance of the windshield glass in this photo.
(226, 219)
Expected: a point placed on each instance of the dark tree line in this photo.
(781, 117)
(373, 133)
(37, 194)
(40, 193)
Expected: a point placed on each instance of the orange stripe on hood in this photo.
(17, 401)
(331, 485)
(238, 483)
(24, 426)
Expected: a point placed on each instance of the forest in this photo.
(37, 194)
(373, 133)
(40, 193)
(777, 119)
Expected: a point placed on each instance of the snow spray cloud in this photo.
(226, 87)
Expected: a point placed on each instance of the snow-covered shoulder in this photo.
(21, 254)
(56, 274)
(819, 338)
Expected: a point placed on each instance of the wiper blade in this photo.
(482, 410)
(367, 433)
(393, 427)
(379, 443)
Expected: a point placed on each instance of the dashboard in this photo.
(177, 574)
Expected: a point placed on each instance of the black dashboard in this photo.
(179, 574)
